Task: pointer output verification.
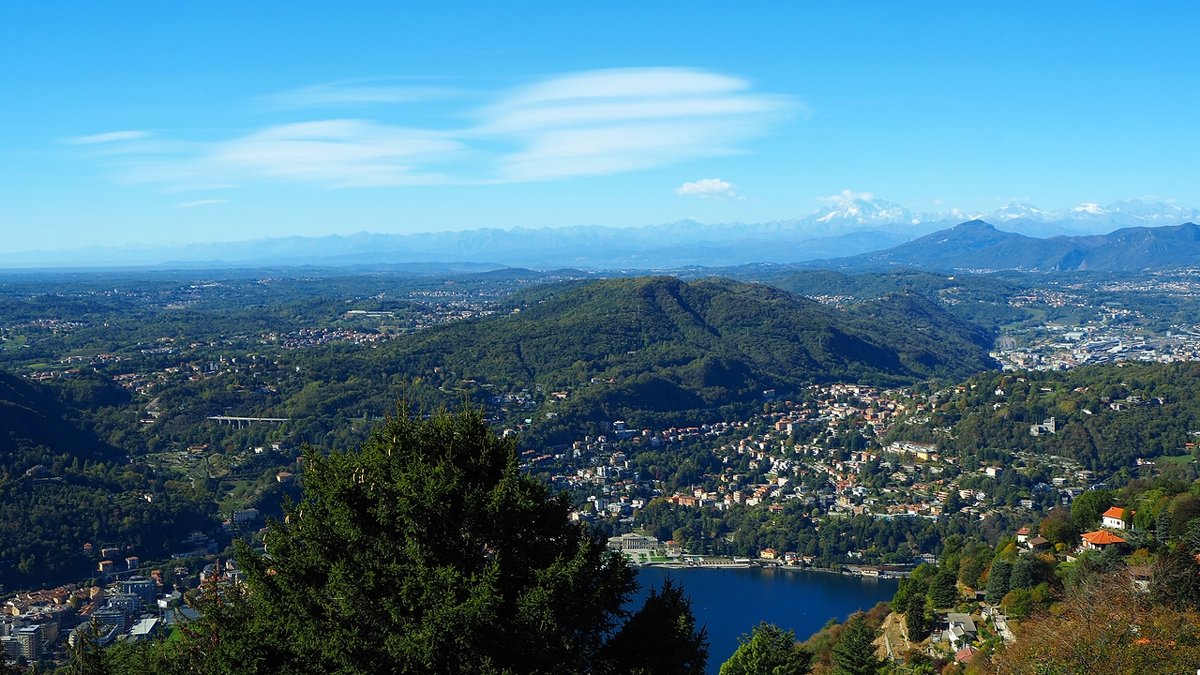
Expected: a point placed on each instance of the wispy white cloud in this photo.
(610, 121)
(337, 153)
(580, 124)
(706, 188)
(202, 202)
(109, 137)
(355, 93)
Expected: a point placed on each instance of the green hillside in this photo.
(61, 487)
(657, 345)
(975, 298)
(1107, 417)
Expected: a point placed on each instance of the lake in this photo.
(731, 602)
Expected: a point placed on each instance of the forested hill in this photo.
(977, 245)
(1106, 417)
(658, 345)
(62, 487)
(35, 424)
(978, 299)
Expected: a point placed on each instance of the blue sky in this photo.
(153, 123)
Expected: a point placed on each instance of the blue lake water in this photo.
(731, 602)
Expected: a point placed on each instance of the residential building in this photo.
(960, 630)
(30, 639)
(1099, 540)
(142, 587)
(11, 648)
(130, 603)
(112, 616)
(1115, 518)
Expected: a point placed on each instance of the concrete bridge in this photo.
(239, 422)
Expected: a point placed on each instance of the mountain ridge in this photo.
(849, 224)
(979, 246)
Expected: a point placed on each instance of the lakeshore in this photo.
(729, 601)
(720, 563)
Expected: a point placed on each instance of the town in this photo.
(768, 486)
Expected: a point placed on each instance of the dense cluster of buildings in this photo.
(40, 625)
(36, 624)
(1060, 347)
(819, 451)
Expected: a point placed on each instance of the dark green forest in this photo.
(61, 487)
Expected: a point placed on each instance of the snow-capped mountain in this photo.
(1135, 212)
(848, 224)
(1019, 211)
(1090, 217)
(863, 210)
(853, 212)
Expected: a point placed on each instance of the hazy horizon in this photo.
(175, 126)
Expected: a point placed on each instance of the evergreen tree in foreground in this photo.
(854, 653)
(768, 650)
(916, 619)
(660, 638)
(428, 551)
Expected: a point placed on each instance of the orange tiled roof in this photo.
(1115, 512)
(1102, 538)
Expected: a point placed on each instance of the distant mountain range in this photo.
(856, 213)
(853, 224)
(978, 246)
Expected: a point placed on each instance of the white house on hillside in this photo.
(1114, 518)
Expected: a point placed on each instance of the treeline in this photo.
(1106, 416)
(745, 531)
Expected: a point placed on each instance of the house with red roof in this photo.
(1100, 540)
(965, 654)
(1115, 518)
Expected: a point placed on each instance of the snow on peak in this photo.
(1020, 211)
(861, 208)
(1090, 208)
(850, 211)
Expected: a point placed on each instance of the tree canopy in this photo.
(428, 551)
(854, 653)
(768, 650)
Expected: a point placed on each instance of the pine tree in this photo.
(854, 653)
(1024, 573)
(768, 650)
(86, 656)
(661, 638)
(427, 550)
(943, 588)
(998, 580)
(1191, 538)
(1162, 526)
(916, 620)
